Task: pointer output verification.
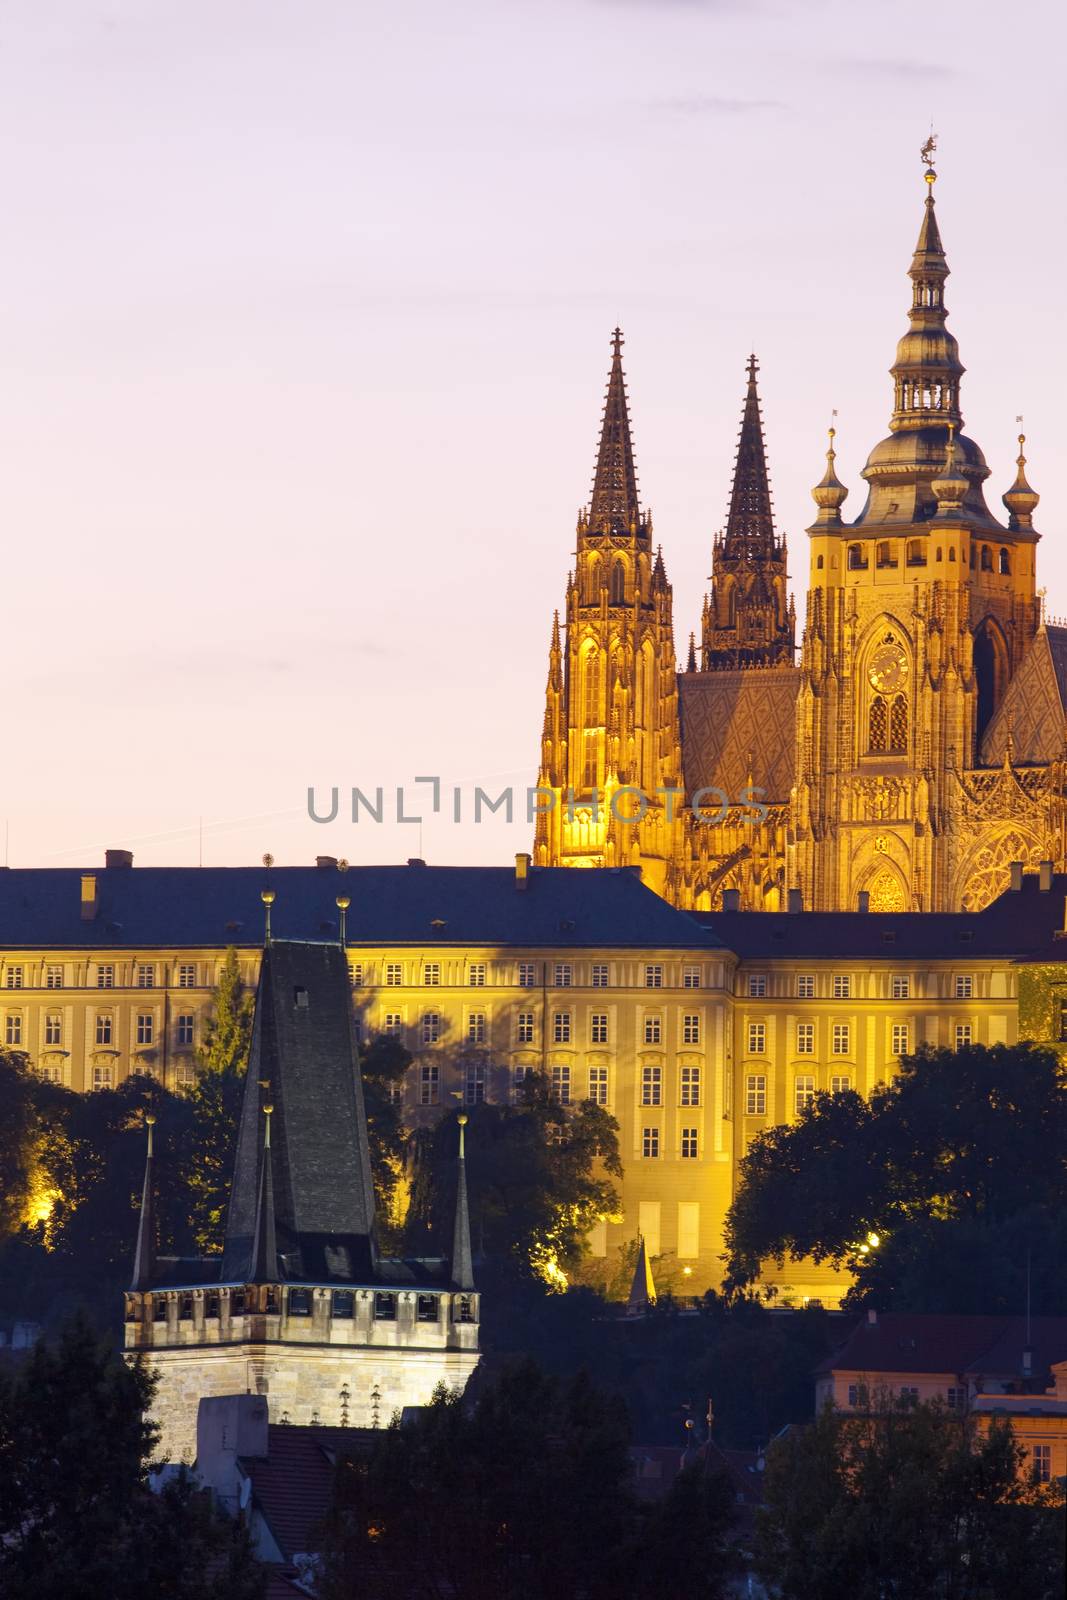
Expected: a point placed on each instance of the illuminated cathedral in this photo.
(914, 750)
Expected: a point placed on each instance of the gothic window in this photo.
(991, 671)
(856, 562)
(591, 689)
(818, 563)
(898, 723)
(885, 556)
(878, 725)
(916, 556)
(987, 559)
(618, 584)
(590, 744)
(592, 593)
(1005, 562)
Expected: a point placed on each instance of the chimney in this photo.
(522, 871)
(324, 863)
(1016, 876)
(863, 900)
(731, 899)
(117, 858)
(90, 903)
(872, 1318)
(795, 900)
(1045, 878)
(416, 861)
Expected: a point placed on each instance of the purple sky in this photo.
(304, 333)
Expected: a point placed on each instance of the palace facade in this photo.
(916, 748)
(694, 1030)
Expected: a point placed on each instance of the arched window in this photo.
(878, 724)
(898, 724)
(618, 584)
(885, 556)
(856, 563)
(590, 750)
(818, 563)
(1005, 562)
(916, 556)
(591, 690)
(991, 671)
(938, 555)
(952, 555)
(592, 589)
(987, 559)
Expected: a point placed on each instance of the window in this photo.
(691, 1028)
(476, 1028)
(145, 1027)
(805, 986)
(842, 986)
(427, 1308)
(53, 977)
(1042, 1454)
(756, 1095)
(431, 974)
(654, 977)
(757, 984)
(394, 974)
(185, 1028)
(103, 1028)
(524, 1028)
(394, 1025)
(53, 1028)
(690, 1086)
(909, 1391)
(521, 1074)
(840, 1083)
(957, 1397)
(50, 1074)
(964, 987)
(650, 1143)
(14, 977)
(474, 1083)
(757, 1038)
(476, 974)
(105, 976)
(841, 1038)
(598, 1028)
(527, 974)
(900, 987)
(561, 1083)
(600, 975)
(564, 974)
(805, 1038)
(853, 1395)
(355, 974)
(187, 975)
(598, 1085)
(689, 1144)
(384, 1307)
(690, 977)
(561, 1027)
(13, 1028)
(429, 1085)
(146, 976)
(804, 1092)
(431, 1027)
(963, 1034)
(901, 1038)
(102, 1077)
(651, 1086)
(653, 1030)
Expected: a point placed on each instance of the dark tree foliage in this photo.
(78, 1520)
(525, 1492)
(222, 1061)
(906, 1503)
(383, 1062)
(959, 1145)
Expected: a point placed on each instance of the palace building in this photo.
(916, 748)
(694, 1030)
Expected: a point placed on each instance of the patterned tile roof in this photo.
(1034, 707)
(737, 723)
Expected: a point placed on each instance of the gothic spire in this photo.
(264, 1262)
(462, 1261)
(642, 1296)
(750, 521)
(614, 508)
(144, 1255)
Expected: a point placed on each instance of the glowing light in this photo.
(874, 1240)
(687, 1272)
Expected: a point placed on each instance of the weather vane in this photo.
(929, 149)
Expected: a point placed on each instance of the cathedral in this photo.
(914, 750)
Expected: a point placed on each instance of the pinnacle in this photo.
(614, 507)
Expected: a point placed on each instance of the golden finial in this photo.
(342, 864)
(928, 151)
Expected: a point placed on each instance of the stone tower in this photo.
(748, 619)
(610, 751)
(919, 615)
(300, 1307)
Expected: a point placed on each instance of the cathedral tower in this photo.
(748, 619)
(919, 614)
(610, 752)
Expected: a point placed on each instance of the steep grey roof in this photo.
(1034, 707)
(736, 723)
(303, 1047)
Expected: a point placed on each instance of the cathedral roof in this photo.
(1033, 711)
(738, 725)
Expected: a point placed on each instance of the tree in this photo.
(538, 1178)
(906, 1501)
(18, 1133)
(383, 1063)
(222, 1061)
(78, 1519)
(972, 1138)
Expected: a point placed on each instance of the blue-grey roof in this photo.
(219, 906)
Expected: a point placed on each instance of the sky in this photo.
(304, 329)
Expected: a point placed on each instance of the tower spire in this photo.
(927, 370)
(614, 507)
(462, 1261)
(144, 1255)
(750, 520)
(263, 1266)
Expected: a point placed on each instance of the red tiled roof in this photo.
(981, 1346)
(292, 1486)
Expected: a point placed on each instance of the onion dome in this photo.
(951, 486)
(829, 493)
(1020, 499)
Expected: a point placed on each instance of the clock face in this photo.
(888, 670)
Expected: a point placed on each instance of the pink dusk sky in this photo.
(304, 329)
